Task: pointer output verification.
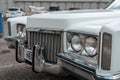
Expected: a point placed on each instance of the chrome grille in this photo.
(50, 40)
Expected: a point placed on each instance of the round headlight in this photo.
(76, 43)
(91, 46)
(20, 28)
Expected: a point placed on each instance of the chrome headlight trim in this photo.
(85, 47)
(91, 46)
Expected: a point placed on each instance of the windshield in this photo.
(13, 9)
(114, 5)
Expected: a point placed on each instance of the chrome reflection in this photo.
(75, 43)
(21, 37)
(20, 52)
(39, 64)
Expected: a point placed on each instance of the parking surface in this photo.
(11, 70)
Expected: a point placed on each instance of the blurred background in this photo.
(62, 4)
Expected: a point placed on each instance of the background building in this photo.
(63, 4)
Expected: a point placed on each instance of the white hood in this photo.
(91, 27)
(64, 19)
(22, 20)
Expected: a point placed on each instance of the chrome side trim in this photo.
(109, 77)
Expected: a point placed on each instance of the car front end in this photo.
(48, 47)
(15, 27)
(57, 42)
(108, 64)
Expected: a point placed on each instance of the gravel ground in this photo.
(11, 70)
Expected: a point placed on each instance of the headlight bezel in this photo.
(83, 37)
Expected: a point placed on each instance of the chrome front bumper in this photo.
(108, 77)
(35, 58)
(78, 68)
(38, 63)
(23, 54)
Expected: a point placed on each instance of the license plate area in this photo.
(28, 55)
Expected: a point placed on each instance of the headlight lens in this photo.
(20, 28)
(21, 33)
(75, 43)
(91, 46)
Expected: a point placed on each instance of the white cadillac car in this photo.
(73, 48)
(14, 12)
(81, 43)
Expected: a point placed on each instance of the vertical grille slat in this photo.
(52, 49)
(37, 38)
(31, 39)
(51, 41)
(55, 46)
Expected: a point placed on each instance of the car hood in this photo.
(63, 19)
(22, 20)
(91, 27)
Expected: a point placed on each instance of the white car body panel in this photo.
(54, 21)
(66, 18)
(114, 29)
(91, 27)
(14, 21)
